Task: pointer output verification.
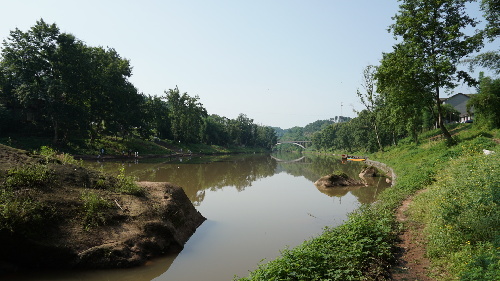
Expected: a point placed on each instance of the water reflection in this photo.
(200, 174)
(256, 205)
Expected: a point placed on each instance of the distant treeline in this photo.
(402, 95)
(52, 84)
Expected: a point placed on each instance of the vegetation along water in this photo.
(57, 94)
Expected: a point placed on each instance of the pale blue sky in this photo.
(282, 63)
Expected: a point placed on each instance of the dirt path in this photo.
(412, 263)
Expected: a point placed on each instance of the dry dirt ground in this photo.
(412, 264)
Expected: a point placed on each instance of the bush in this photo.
(93, 208)
(32, 176)
(20, 214)
(51, 155)
(128, 185)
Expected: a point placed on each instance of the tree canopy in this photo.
(53, 83)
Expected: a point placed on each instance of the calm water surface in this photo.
(255, 205)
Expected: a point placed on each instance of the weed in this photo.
(20, 214)
(462, 215)
(32, 176)
(460, 209)
(50, 155)
(127, 184)
(93, 209)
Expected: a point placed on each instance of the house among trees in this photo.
(459, 102)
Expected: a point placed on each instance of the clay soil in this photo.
(135, 228)
(412, 263)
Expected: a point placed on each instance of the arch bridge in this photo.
(302, 144)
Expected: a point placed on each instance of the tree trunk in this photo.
(445, 131)
(378, 137)
(56, 129)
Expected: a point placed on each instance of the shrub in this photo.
(127, 184)
(20, 213)
(93, 208)
(50, 155)
(32, 176)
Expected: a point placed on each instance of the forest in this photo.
(437, 41)
(54, 85)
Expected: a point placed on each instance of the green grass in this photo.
(50, 155)
(348, 252)
(462, 217)
(23, 213)
(460, 210)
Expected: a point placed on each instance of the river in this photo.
(255, 205)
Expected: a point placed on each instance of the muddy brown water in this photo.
(255, 205)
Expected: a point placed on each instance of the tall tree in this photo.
(433, 32)
(186, 115)
(41, 68)
(371, 100)
(489, 60)
(402, 82)
(113, 102)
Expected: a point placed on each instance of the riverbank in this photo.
(460, 242)
(129, 148)
(54, 213)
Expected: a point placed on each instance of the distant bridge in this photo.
(302, 144)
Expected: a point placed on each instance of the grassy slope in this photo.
(460, 210)
(117, 146)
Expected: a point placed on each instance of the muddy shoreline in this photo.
(132, 228)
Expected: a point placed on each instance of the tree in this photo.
(216, 130)
(489, 60)
(266, 137)
(61, 84)
(450, 113)
(491, 9)
(241, 130)
(402, 83)
(432, 32)
(110, 93)
(371, 100)
(43, 75)
(486, 103)
(155, 118)
(186, 116)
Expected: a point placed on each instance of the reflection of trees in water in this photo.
(196, 175)
(211, 173)
(322, 165)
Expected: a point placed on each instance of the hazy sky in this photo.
(282, 63)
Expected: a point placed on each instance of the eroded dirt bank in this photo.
(133, 228)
